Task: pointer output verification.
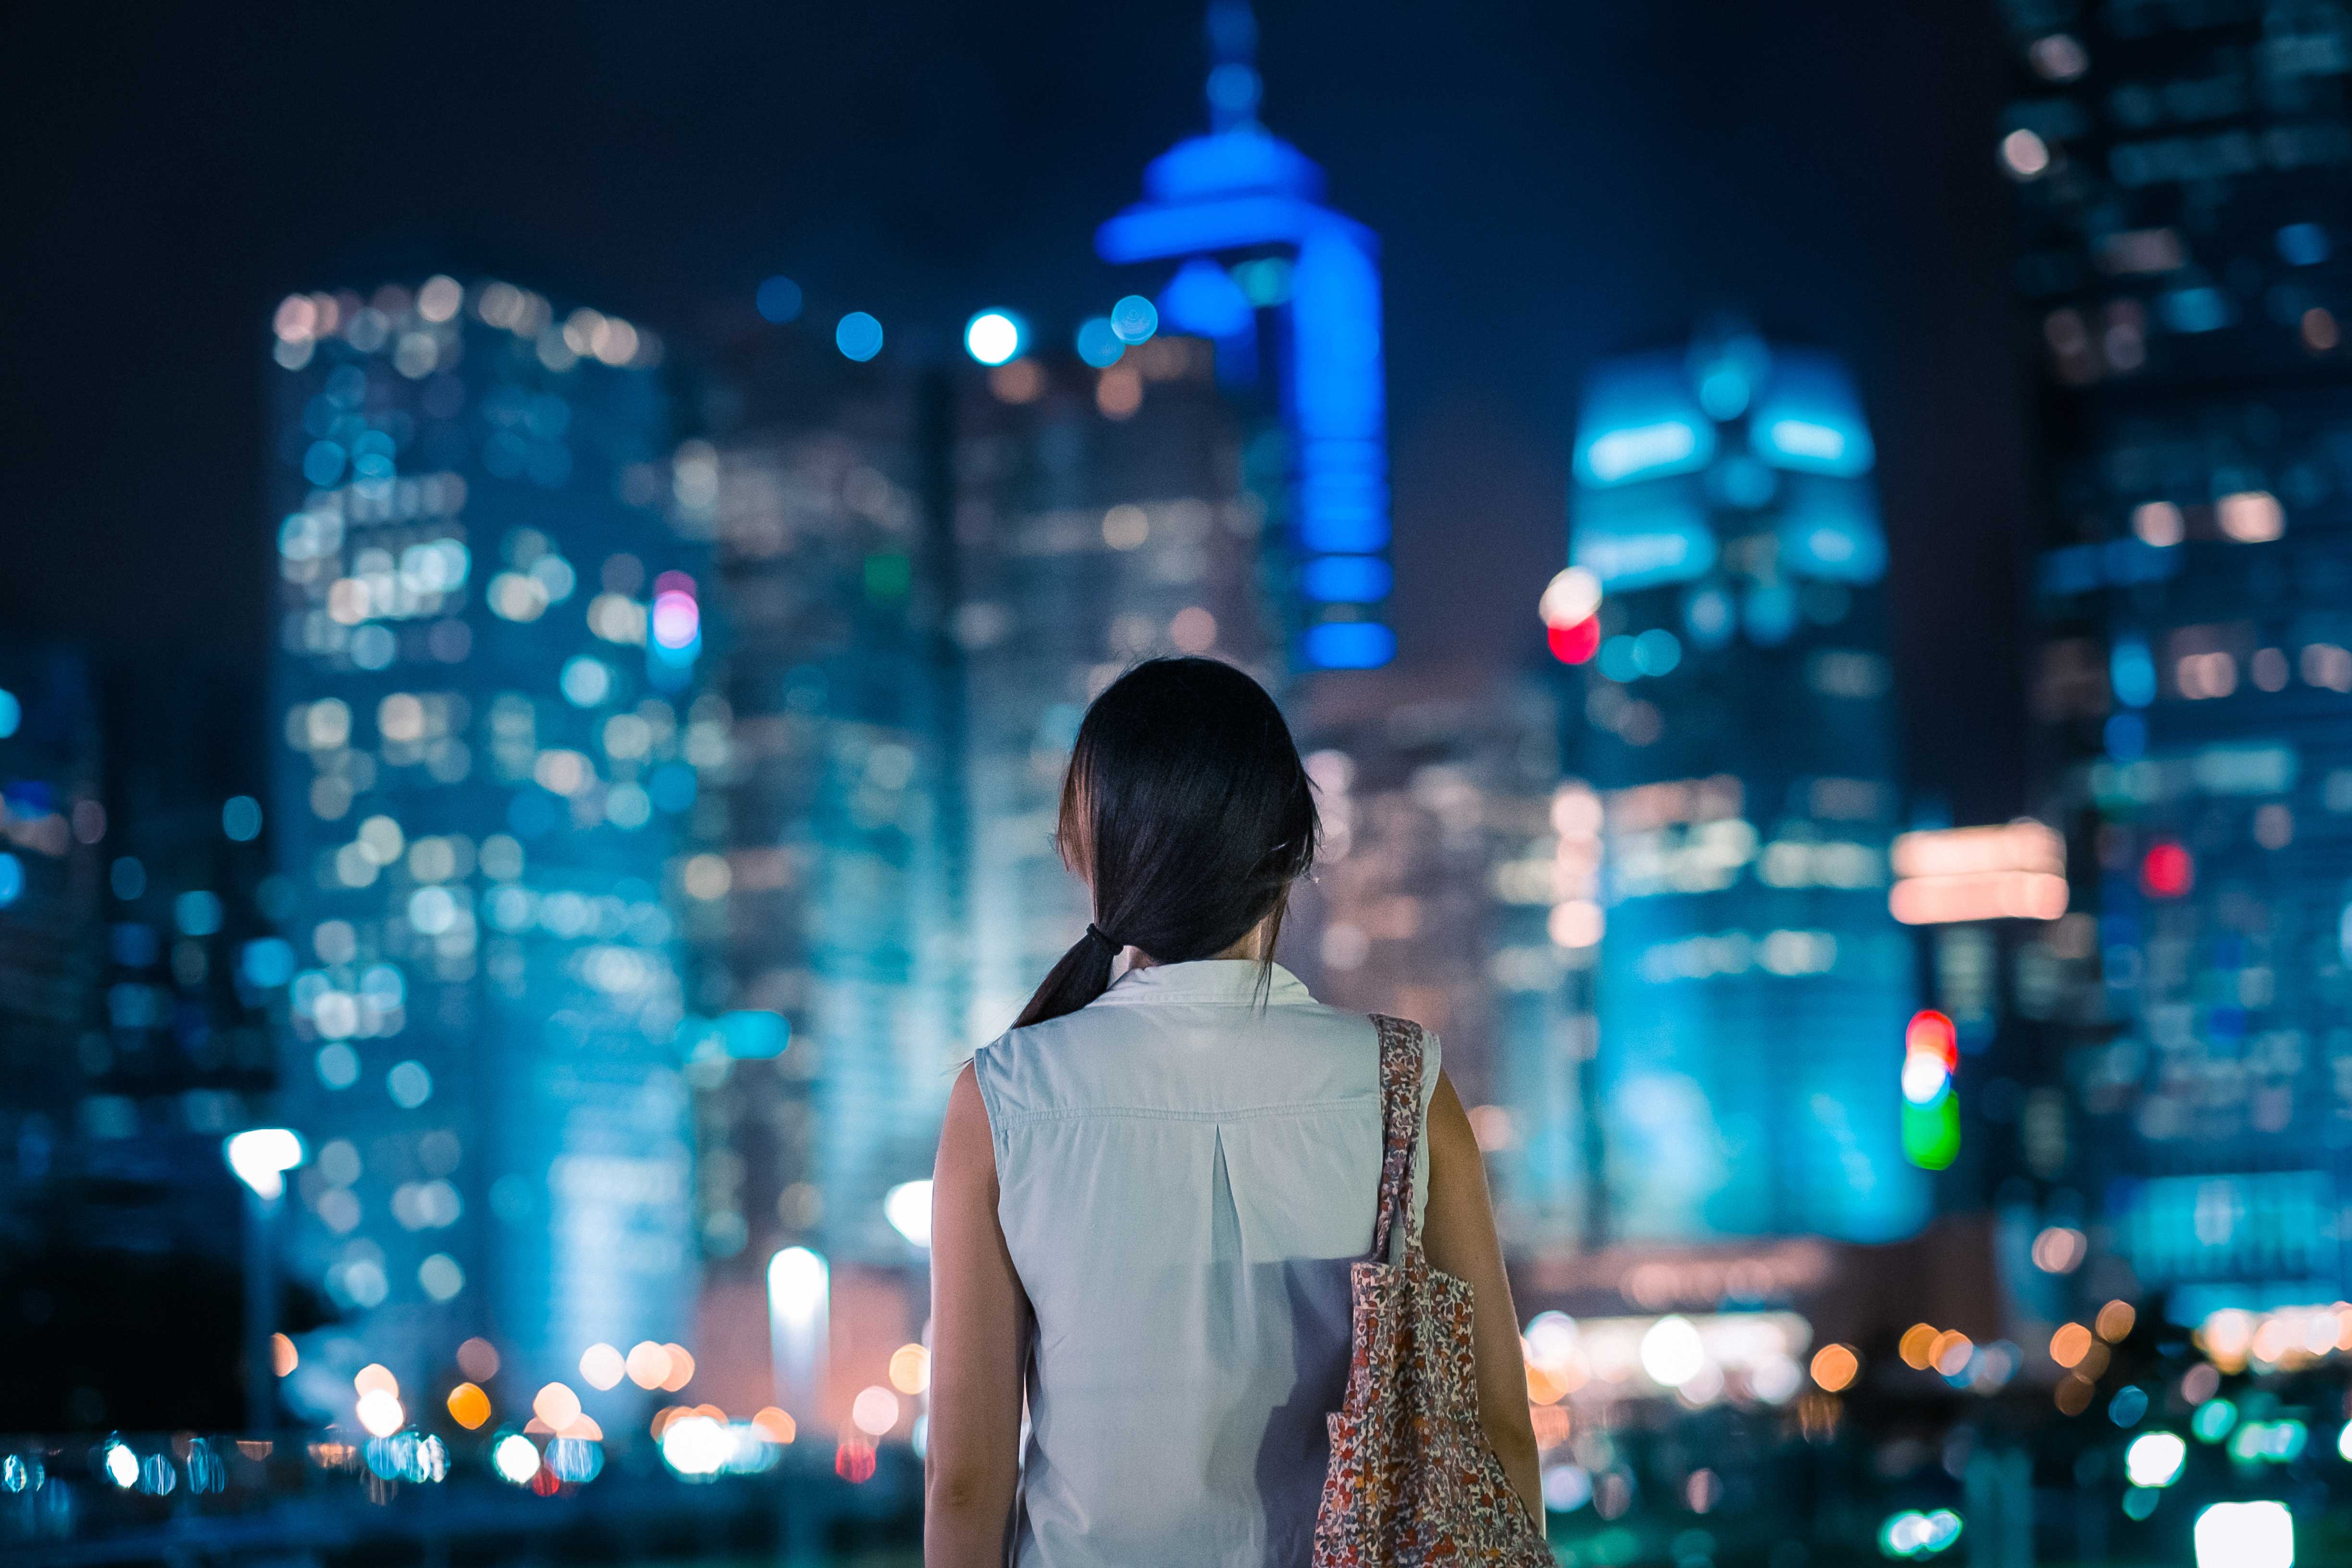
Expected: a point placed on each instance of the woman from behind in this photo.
(1150, 1192)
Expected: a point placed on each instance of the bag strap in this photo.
(1401, 1059)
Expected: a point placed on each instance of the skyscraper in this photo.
(1087, 540)
(1442, 853)
(1288, 289)
(2181, 181)
(1752, 988)
(132, 915)
(487, 739)
(842, 788)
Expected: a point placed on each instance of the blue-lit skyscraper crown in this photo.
(1243, 210)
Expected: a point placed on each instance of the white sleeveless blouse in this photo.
(1186, 1176)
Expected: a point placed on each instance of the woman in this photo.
(1149, 1193)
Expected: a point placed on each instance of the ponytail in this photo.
(1083, 975)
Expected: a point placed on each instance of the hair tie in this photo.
(1096, 933)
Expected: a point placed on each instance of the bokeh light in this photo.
(993, 337)
(858, 336)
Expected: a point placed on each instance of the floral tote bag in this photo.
(1413, 1479)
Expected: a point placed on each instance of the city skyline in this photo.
(1505, 281)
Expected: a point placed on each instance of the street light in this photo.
(800, 1303)
(261, 1156)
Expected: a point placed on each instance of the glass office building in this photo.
(1091, 534)
(1752, 988)
(2181, 181)
(1442, 857)
(487, 740)
(837, 943)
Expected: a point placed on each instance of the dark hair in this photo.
(1186, 806)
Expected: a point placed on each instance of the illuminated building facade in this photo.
(1441, 860)
(485, 740)
(52, 883)
(1088, 539)
(132, 904)
(2180, 179)
(840, 784)
(1289, 292)
(1752, 987)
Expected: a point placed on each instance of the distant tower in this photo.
(486, 755)
(1270, 274)
(1752, 989)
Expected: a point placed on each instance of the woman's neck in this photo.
(1252, 946)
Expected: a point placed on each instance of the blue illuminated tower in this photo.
(2180, 176)
(1290, 289)
(486, 750)
(1752, 988)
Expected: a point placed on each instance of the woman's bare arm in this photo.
(1458, 1232)
(980, 1343)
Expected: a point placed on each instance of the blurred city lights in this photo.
(2025, 155)
(557, 1406)
(1913, 1534)
(1672, 1351)
(478, 1359)
(993, 337)
(874, 1411)
(1572, 596)
(120, 1464)
(2155, 1458)
(696, 1447)
(468, 1406)
(1946, 875)
(858, 336)
(1134, 320)
(2213, 1420)
(778, 299)
(602, 1366)
(2060, 1249)
(380, 1412)
(1574, 643)
(516, 1459)
(1931, 1124)
(1834, 1367)
(262, 1157)
(908, 1207)
(1098, 342)
(910, 1369)
(2167, 871)
(241, 818)
(648, 1364)
(2245, 1535)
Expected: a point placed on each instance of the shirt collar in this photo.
(1208, 981)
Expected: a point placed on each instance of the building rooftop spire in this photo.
(1234, 86)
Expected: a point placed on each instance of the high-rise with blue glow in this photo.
(1752, 988)
(2181, 181)
(1289, 292)
(486, 743)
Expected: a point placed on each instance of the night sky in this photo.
(1553, 183)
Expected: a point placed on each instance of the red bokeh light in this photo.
(1574, 645)
(2168, 870)
(1932, 1033)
